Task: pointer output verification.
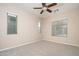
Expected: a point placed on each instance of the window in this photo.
(59, 28)
(39, 26)
(11, 24)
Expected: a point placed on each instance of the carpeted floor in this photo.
(42, 48)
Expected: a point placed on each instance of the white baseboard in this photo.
(24, 43)
(63, 43)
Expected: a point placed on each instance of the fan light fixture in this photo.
(46, 7)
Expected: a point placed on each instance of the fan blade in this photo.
(49, 10)
(53, 4)
(41, 11)
(43, 4)
(38, 8)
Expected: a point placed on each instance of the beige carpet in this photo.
(42, 48)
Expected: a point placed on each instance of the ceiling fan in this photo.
(46, 7)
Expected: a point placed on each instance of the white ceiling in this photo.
(28, 7)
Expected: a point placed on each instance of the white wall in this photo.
(26, 26)
(70, 11)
